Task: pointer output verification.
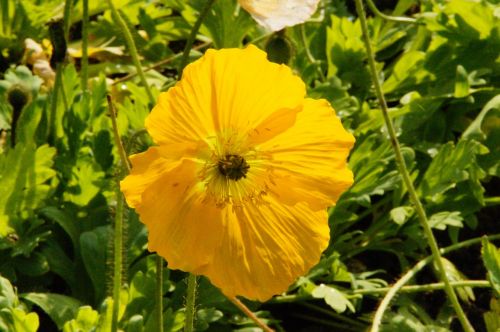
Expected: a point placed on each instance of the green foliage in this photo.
(13, 314)
(491, 259)
(57, 193)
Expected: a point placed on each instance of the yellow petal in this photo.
(309, 159)
(235, 90)
(278, 14)
(182, 228)
(265, 248)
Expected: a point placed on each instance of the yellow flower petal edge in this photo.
(278, 14)
(243, 171)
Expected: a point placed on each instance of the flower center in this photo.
(233, 167)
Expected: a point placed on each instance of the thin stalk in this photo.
(194, 32)
(118, 230)
(68, 8)
(399, 19)
(492, 201)
(117, 261)
(159, 293)
(309, 55)
(425, 288)
(118, 141)
(51, 131)
(250, 314)
(85, 45)
(131, 47)
(440, 270)
(190, 303)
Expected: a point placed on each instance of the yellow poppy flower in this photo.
(243, 171)
(278, 14)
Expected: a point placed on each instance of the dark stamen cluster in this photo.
(233, 167)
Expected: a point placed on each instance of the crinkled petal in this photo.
(235, 90)
(278, 14)
(169, 200)
(309, 159)
(266, 247)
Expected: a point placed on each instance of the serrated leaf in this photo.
(466, 294)
(458, 159)
(442, 220)
(491, 259)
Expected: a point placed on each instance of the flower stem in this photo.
(309, 55)
(118, 230)
(192, 35)
(440, 270)
(159, 293)
(399, 19)
(190, 303)
(250, 314)
(52, 121)
(131, 47)
(117, 261)
(68, 8)
(85, 43)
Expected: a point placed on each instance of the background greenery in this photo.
(59, 164)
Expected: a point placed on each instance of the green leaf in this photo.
(335, 299)
(226, 23)
(466, 294)
(24, 322)
(8, 298)
(65, 221)
(60, 308)
(491, 259)
(85, 321)
(461, 83)
(85, 182)
(474, 131)
(492, 317)
(458, 160)
(442, 220)
(401, 214)
(93, 246)
(206, 316)
(345, 50)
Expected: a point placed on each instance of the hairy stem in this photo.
(440, 270)
(159, 293)
(118, 230)
(190, 303)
